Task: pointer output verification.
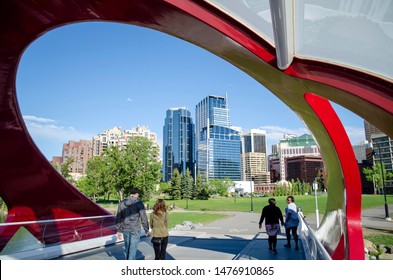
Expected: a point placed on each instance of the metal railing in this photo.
(313, 248)
(19, 237)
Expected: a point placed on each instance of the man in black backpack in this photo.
(130, 216)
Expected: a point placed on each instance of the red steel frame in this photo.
(33, 190)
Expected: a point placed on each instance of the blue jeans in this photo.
(131, 241)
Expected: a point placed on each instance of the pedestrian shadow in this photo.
(258, 249)
(380, 230)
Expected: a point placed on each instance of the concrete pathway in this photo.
(235, 237)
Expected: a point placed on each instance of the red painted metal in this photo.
(33, 190)
(349, 165)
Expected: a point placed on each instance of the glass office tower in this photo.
(178, 143)
(218, 145)
(255, 141)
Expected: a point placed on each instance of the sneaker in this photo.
(297, 248)
(274, 251)
(270, 248)
(287, 245)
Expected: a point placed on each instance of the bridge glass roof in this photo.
(356, 34)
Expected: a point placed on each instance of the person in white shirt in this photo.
(291, 222)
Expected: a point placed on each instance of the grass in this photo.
(379, 239)
(177, 218)
(243, 204)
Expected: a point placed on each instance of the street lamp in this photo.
(234, 192)
(315, 187)
(383, 184)
(187, 200)
(251, 183)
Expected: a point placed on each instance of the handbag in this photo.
(156, 240)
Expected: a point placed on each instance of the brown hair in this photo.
(159, 207)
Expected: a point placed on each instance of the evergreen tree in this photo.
(201, 188)
(189, 184)
(204, 192)
(175, 189)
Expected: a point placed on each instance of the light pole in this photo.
(315, 187)
(187, 199)
(375, 189)
(383, 184)
(251, 183)
(234, 192)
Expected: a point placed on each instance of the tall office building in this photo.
(178, 149)
(370, 129)
(360, 151)
(303, 168)
(218, 145)
(383, 152)
(291, 146)
(254, 156)
(255, 141)
(380, 150)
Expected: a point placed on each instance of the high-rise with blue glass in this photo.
(178, 148)
(218, 145)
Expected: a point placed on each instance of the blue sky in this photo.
(79, 80)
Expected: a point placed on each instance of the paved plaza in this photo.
(235, 237)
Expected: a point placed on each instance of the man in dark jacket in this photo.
(130, 215)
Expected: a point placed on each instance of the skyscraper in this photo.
(255, 141)
(254, 156)
(218, 145)
(370, 129)
(178, 149)
(291, 146)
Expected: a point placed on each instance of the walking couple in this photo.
(131, 217)
(272, 216)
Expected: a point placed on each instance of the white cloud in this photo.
(355, 134)
(129, 99)
(275, 133)
(37, 119)
(50, 129)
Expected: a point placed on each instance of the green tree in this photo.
(176, 184)
(64, 169)
(186, 183)
(374, 175)
(320, 181)
(140, 167)
(95, 182)
(164, 187)
(120, 170)
(198, 186)
(201, 188)
(220, 186)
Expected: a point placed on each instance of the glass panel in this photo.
(357, 33)
(33, 235)
(255, 14)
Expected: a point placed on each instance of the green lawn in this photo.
(385, 239)
(243, 204)
(177, 218)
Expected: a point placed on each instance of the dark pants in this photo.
(272, 241)
(294, 233)
(160, 249)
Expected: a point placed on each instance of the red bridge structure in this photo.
(306, 55)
